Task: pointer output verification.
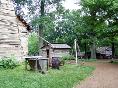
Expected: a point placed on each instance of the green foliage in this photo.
(88, 60)
(33, 44)
(68, 57)
(67, 77)
(114, 61)
(8, 62)
(46, 21)
(62, 62)
(116, 51)
(95, 23)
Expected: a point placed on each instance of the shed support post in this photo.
(25, 64)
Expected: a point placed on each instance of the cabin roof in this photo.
(104, 50)
(24, 22)
(64, 46)
(58, 46)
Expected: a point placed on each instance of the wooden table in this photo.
(39, 61)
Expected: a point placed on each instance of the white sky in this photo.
(70, 4)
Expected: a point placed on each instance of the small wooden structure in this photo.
(104, 52)
(37, 63)
(101, 53)
(55, 50)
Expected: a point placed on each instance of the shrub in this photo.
(62, 62)
(88, 60)
(33, 44)
(8, 62)
(68, 57)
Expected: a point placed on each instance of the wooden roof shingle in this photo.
(60, 46)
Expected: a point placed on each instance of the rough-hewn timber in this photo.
(13, 39)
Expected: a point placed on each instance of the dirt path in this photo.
(105, 76)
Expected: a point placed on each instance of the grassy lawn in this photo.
(88, 60)
(66, 77)
(114, 61)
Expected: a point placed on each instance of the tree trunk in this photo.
(113, 50)
(85, 50)
(93, 50)
(40, 40)
(41, 26)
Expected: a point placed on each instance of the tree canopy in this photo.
(94, 25)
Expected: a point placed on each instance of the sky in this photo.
(71, 4)
(68, 4)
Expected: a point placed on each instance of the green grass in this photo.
(67, 77)
(114, 61)
(88, 60)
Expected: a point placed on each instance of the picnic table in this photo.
(37, 63)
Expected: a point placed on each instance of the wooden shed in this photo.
(55, 50)
(104, 52)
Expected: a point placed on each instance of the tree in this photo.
(38, 13)
(61, 26)
(111, 17)
(42, 16)
(95, 13)
(33, 46)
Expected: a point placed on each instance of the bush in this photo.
(62, 62)
(8, 62)
(33, 44)
(68, 57)
(88, 60)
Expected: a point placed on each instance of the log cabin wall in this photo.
(54, 52)
(60, 52)
(13, 35)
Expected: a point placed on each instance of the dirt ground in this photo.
(105, 76)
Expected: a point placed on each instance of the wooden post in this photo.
(25, 63)
(36, 67)
(50, 57)
(75, 42)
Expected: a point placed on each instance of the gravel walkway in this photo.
(105, 76)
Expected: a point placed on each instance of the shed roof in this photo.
(104, 50)
(64, 46)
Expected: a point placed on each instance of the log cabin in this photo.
(13, 32)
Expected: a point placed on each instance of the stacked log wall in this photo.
(11, 31)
